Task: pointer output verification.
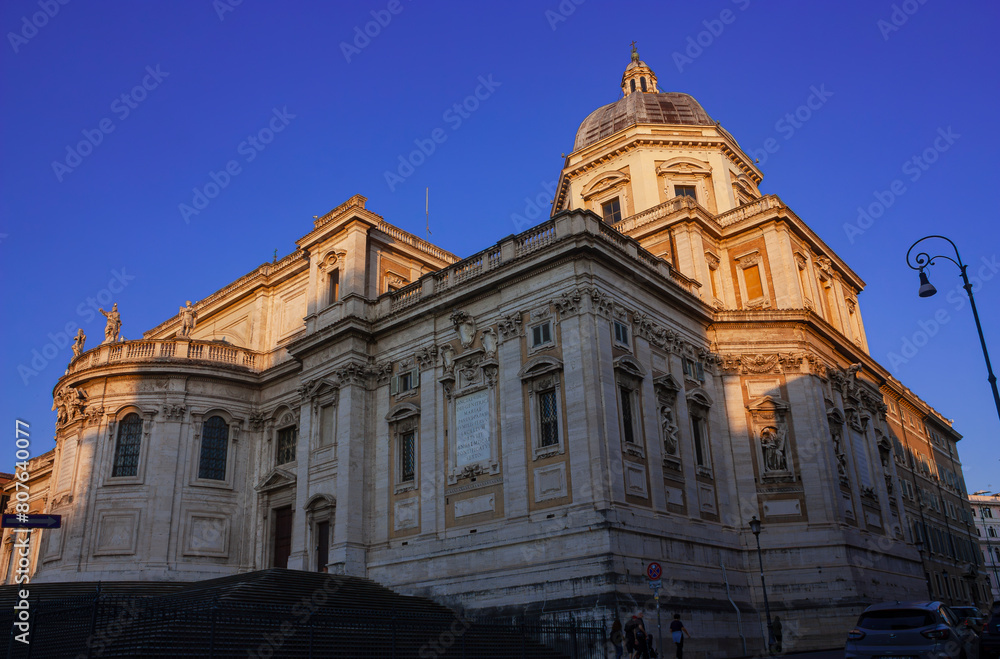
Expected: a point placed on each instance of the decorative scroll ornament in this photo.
(510, 326)
(426, 357)
(257, 420)
(353, 373)
(174, 411)
(569, 302)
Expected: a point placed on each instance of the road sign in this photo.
(654, 571)
(23, 521)
(656, 584)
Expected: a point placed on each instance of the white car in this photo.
(911, 630)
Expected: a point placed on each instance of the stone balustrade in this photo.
(172, 350)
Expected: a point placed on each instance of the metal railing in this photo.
(101, 625)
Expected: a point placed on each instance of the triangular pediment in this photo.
(275, 479)
(768, 404)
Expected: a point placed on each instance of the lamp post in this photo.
(921, 261)
(755, 529)
(927, 577)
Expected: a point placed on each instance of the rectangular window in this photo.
(612, 211)
(698, 432)
(628, 426)
(404, 382)
(693, 369)
(327, 419)
(621, 333)
(548, 415)
(541, 334)
(333, 286)
(685, 191)
(407, 456)
(286, 444)
(751, 276)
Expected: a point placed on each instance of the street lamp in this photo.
(927, 577)
(755, 529)
(922, 260)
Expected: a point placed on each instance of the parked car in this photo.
(911, 630)
(971, 615)
(989, 647)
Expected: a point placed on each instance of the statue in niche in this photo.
(490, 342)
(78, 343)
(189, 317)
(113, 329)
(773, 441)
(670, 429)
(839, 453)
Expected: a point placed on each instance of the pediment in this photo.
(630, 365)
(402, 411)
(684, 165)
(768, 404)
(667, 382)
(275, 479)
(605, 182)
(699, 396)
(539, 365)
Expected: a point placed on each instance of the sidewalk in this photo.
(820, 654)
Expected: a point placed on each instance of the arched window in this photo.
(633, 84)
(642, 83)
(214, 449)
(127, 447)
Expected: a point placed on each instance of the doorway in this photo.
(282, 536)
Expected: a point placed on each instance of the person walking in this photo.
(635, 637)
(677, 632)
(776, 631)
(617, 637)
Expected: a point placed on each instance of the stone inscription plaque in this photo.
(472, 428)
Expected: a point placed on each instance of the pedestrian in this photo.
(617, 637)
(776, 632)
(677, 631)
(635, 637)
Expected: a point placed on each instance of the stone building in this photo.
(986, 514)
(670, 355)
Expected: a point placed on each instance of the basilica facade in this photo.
(669, 356)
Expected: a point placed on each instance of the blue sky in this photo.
(164, 97)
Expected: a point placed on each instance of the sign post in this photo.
(654, 573)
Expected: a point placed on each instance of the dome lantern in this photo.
(638, 77)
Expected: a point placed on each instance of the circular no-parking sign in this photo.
(654, 571)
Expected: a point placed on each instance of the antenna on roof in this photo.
(427, 212)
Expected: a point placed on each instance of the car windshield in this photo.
(895, 619)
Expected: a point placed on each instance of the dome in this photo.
(648, 108)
